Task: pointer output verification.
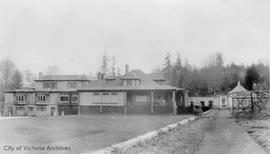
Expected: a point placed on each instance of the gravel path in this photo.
(182, 140)
(226, 137)
(217, 134)
(259, 130)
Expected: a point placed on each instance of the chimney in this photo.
(99, 76)
(39, 74)
(126, 69)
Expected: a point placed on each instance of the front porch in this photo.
(136, 102)
(154, 102)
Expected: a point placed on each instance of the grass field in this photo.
(79, 133)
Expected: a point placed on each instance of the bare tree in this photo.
(7, 69)
(113, 66)
(29, 78)
(16, 80)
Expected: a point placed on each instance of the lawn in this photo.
(79, 133)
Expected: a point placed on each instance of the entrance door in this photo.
(223, 102)
(52, 111)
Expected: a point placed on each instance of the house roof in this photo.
(146, 83)
(238, 88)
(63, 78)
(39, 90)
(131, 75)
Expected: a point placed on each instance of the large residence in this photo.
(134, 93)
(51, 95)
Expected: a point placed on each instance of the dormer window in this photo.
(50, 85)
(131, 79)
(132, 83)
(72, 85)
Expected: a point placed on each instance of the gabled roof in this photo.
(63, 78)
(238, 88)
(146, 83)
(131, 75)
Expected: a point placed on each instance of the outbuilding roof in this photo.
(238, 88)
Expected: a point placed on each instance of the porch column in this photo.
(79, 104)
(125, 103)
(174, 103)
(186, 98)
(152, 102)
(100, 106)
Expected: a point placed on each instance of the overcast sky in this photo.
(74, 34)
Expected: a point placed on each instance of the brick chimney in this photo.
(126, 69)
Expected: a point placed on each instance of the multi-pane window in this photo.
(115, 97)
(50, 85)
(141, 98)
(42, 97)
(96, 97)
(20, 97)
(132, 83)
(74, 97)
(106, 97)
(64, 97)
(72, 85)
(84, 83)
(129, 82)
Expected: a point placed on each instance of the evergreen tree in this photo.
(252, 77)
(105, 65)
(177, 79)
(167, 71)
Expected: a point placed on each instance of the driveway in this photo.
(226, 137)
(79, 133)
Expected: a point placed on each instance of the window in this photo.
(74, 97)
(50, 85)
(115, 97)
(96, 97)
(64, 97)
(20, 97)
(132, 83)
(129, 82)
(84, 83)
(42, 97)
(106, 97)
(71, 85)
(141, 98)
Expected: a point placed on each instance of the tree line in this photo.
(214, 77)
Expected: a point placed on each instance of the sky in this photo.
(74, 34)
